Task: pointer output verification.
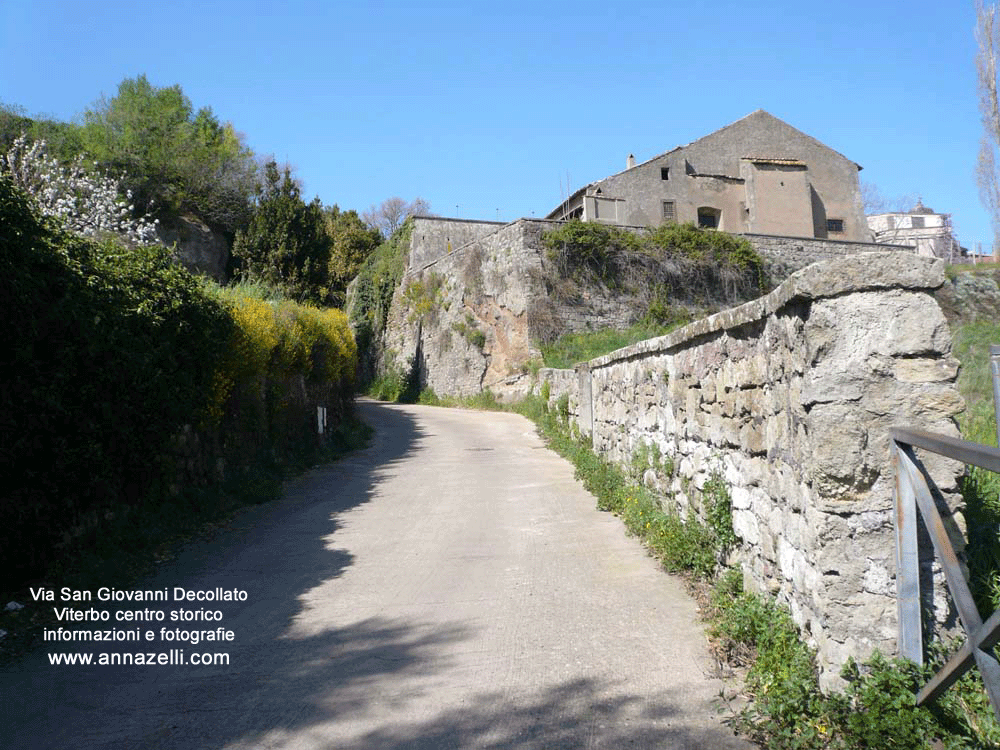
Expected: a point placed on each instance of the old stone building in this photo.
(757, 175)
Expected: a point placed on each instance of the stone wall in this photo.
(471, 318)
(494, 279)
(790, 399)
(435, 237)
(783, 256)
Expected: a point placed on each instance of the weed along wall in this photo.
(790, 399)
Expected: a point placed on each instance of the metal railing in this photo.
(914, 491)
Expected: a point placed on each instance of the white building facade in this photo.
(929, 232)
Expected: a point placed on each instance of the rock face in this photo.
(790, 399)
(471, 319)
(196, 246)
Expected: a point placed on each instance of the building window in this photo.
(664, 173)
(835, 225)
(890, 222)
(669, 213)
(708, 218)
(917, 222)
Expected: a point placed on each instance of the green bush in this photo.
(718, 509)
(285, 243)
(371, 297)
(718, 248)
(470, 332)
(388, 386)
(879, 708)
(108, 352)
(583, 248)
(788, 709)
(172, 157)
(111, 355)
(679, 261)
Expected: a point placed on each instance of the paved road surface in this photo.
(451, 586)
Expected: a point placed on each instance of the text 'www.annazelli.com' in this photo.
(174, 656)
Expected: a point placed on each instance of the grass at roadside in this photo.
(787, 708)
(980, 488)
(571, 348)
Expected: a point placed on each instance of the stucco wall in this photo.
(778, 199)
(790, 399)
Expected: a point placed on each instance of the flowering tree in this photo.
(89, 203)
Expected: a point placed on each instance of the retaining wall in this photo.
(783, 256)
(790, 398)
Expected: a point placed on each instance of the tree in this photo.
(988, 38)
(351, 243)
(90, 204)
(63, 140)
(285, 244)
(389, 216)
(173, 157)
(874, 201)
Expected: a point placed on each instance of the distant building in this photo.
(758, 175)
(931, 233)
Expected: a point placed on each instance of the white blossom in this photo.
(88, 202)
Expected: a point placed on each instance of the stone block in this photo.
(925, 370)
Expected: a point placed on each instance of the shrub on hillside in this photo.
(107, 352)
(90, 204)
(371, 297)
(110, 353)
(173, 157)
(285, 244)
(673, 262)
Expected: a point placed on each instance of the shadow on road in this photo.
(572, 715)
(277, 552)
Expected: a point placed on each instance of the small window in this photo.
(669, 213)
(664, 173)
(835, 225)
(708, 218)
(917, 222)
(890, 222)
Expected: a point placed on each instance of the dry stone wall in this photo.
(790, 399)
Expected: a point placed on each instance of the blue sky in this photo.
(489, 110)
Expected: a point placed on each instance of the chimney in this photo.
(630, 161)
